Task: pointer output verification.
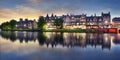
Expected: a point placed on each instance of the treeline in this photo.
(58, 22)
(9, 25)
(41, 24)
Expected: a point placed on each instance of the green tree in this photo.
(13, 24)
(9, 25)
(41, 22)
(5, 26)
(58, 23)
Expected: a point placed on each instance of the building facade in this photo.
(27, 24)
(116, 22)
(74, 21)
(81, 21)
(86, 22)
(50, 21)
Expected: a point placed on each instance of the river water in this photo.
(58, 46)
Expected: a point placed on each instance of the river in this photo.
(58, 46)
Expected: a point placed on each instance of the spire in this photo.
(55, 15)
(47, 16)
(52, 15)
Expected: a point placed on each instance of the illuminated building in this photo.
(82, 21)
(116, 22)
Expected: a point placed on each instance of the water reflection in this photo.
(63, 39)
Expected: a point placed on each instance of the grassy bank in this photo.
(58, 30)
(67, 30)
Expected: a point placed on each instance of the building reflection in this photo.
(26, 36)
(116, 39)
(52, 39)
(98, 39)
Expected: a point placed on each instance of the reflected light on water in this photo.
(55, 45)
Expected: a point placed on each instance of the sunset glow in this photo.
(32, 9)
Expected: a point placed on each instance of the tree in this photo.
(9, 25)
(58, 23)
(5, 26)
(13, 24)
(41, 38)
(41, 22)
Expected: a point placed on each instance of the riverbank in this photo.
(69, 30)
(57, 30)
(72, 30)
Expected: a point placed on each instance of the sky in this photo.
(32, 9)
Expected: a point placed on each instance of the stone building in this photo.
(50, 21)
(26, 24)
(81, 21)
(116, 22)
(87, 22)
(74, 21)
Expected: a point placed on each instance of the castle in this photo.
(71, 21)
(81, 21)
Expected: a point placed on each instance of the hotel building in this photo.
(81, 21)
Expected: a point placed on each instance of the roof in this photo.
(25, 21)
(117, 19)
(92, 17)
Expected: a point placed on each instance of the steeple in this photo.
(47, 17)
(52, 15)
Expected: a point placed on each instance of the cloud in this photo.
(7, 14)
(36, 2)
(26, 10)
(16, 9)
